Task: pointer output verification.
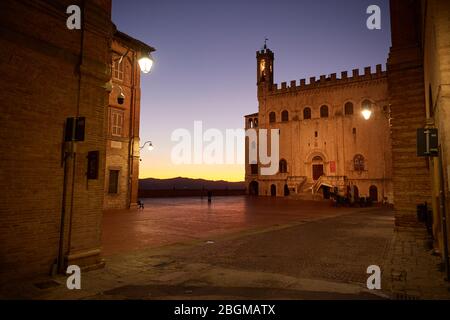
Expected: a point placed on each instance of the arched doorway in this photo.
(356, 193)
(317, 167)
(286, 190)
(373, 193)
(273, 190)
(253, 188)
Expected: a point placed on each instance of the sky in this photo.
(205, 63)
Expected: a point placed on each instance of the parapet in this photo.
(332, 80)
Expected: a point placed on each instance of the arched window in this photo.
(348, 108)
(283, 166)
(307, 113)
(285, 116)
(255, 123)
(272, 117)
(324, 111)
(358, 163)
(317, 158)
(250, 123)
(366, 104)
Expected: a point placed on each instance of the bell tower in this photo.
(264, 75)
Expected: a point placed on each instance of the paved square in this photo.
(235, 248)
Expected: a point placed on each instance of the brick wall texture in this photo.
(42, 84)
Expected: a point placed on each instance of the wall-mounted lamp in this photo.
(121, 96)
(150, 146)
(366, 110)
(145, 62)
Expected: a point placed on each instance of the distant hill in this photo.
(188, 183)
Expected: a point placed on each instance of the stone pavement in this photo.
(249, 249)
(412, 271)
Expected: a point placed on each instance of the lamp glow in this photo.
(150, 147)
(366, 113)
(146, 63)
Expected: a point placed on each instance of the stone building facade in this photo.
(436, 40)
(52, 185)
(122, 137)
(325, 143)
(419, 88)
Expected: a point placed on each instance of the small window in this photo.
(272, 117)
(116, 123)
(430, 101)
(316, 134)
(307, 113)
(283, 166)
(254, 169)
(285, 116)
(250, 123)
(358, 163)
(118, 70)
(324, 111)
(348, 108)
(113, 181)
(255, 123)
(354, 130)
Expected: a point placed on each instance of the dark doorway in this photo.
(253, 188)
(373, 193)
(326, 192)
(286, 190)
(273, 190)
(356, 192)
(317, 171)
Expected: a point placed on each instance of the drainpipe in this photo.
(131, 131)
(59, 265)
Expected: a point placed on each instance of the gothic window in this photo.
(116, 122)
(324, 111)
(285, 116)
(358, 163)
(283, 166)
(118, 70)
(272, 117)
(307, 113)
(348, 108)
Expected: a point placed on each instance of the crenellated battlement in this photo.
(331, 80)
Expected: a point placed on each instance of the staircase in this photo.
(304, 191)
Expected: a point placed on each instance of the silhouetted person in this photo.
(209, 196)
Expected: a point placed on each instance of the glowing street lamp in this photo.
(145, 62)
(366, 109)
